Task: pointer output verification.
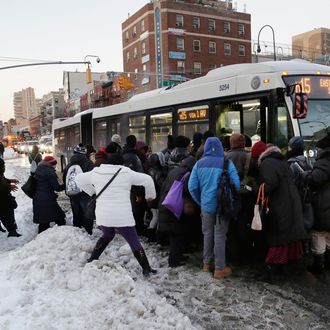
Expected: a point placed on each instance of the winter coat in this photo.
(205, 177)
(284, 222)
(2, 148)
(113, 206)
(168, 223)
(132, 160)
(45, 207)
(239, 158)
(176, 157)
(36, 157)
(319, 180)
(5, 196)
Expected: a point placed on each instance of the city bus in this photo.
(256, 99)
(10, 141)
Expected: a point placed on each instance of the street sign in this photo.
(169, 83)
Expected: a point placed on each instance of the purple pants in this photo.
(129, 233)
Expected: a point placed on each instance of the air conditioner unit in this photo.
(211, 28)
(226, 30)
(240, 33)
(195, 26)
(179, 25)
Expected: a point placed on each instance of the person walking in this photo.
(35, 158)
(45, 206)
(319, 181)
(116, 199)
(78, 199)
(203, 185)
(8, 203)
(2, 149)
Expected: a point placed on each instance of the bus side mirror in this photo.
(300, 106)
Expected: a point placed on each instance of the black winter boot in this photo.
(14, 233)
(142, 259)
(327, 259)
(317, 268)
(100, 246)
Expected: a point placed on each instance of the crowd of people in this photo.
(130, 187)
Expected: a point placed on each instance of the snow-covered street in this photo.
(45, 283)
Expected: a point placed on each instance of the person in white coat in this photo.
(113, 207)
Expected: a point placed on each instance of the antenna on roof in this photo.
(244, 10)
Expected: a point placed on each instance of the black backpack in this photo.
(228, 198)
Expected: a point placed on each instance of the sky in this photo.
(68, 30)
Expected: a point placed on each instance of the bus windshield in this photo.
(316, 125)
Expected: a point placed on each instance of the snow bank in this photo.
(9, 153)
(51, 286)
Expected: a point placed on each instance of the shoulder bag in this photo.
(90, 209)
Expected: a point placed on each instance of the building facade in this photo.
(312, 45)
(169, 41)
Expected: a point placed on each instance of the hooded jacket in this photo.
(205, 177)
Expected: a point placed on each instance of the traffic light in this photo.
(88, 75)
(121, 82)
(128, 84)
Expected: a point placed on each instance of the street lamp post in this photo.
(259, 49)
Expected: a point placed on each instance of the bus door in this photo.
(249, 117)
(86, 129)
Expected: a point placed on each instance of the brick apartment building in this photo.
(170, 41)
(313, 45)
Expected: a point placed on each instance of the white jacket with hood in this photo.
(113, 206)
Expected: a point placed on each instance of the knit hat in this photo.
(296, 143)
(324, 143)
(50, 160)
(257, 149)
(141, 145)
(116, 138)
(237, 141)
(80, 149)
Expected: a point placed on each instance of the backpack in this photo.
(228, 198)
(71, 187)
(34, 164)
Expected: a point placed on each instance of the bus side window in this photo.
(283, 127)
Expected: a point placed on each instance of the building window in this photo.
(144, 71)
(227, 49)
(211, 25)
(196, 23)
(197, 68)
(213, 66)
(212, 47)
(127, 57)
(196, 45)
(135, 74)
(134, 31)
(241, 50)
(126, 36)
(180, 67)
(142, 26)
(241, 29)
(135, 52)
(143, 48)
(179, 43)
(179, 21)
(226, 27)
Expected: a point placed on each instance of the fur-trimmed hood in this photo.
(269, 152)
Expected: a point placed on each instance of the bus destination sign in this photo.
(314, 86)
(192, 115)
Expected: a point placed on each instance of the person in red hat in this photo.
(45, 206)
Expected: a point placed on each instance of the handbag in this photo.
(91, 205)
(260, 209)
(29, 187)
(174, 200)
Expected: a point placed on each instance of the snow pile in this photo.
(9, 153)
(47, 284)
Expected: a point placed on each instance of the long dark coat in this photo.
(319, 181)
(284, 223)
(45, 207)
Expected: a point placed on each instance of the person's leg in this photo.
(221, 229)
(86, 222)
(102, 243)
(43, 227)
(208, 223)
(176, 250)
(60, 222)
(76, 214)
(130, 235)
(318, 249)
(8, 220)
